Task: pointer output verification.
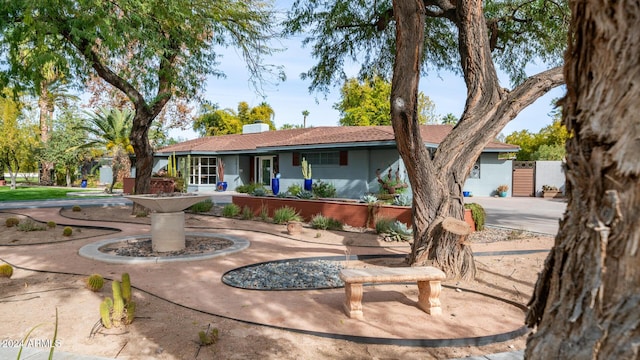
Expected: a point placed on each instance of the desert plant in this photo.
(141, 214)
(76, 208)
(306, 169)
(11, 222)
(67, 231)
(391, 184)
(230, 210)
(119, 310)
(264, 213)
(259, 192)
(383, 225)
(286, 214)
(30, 225)
(208, 337)
(369, 199)
(51, 224)
(283, 195)
(304, 194)
(95, 282)
(248, 188)
(549, 188)
(247, 213)
(294, 189)
(478, 214)
(6, 270)
(323, 189)
(402, 200)
(398, 231)
(201, 207)
(320, 221)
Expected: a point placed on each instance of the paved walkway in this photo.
(314, 313)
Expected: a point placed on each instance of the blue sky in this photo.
(288, 99)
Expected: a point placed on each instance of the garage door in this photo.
(524, 174)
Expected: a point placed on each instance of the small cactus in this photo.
(67, 231)
(131, 312)
(118, 303)
(106, 307)
(126, 288)
(95, 282)
(12, 221)
(6, 270)
(51, 224)
(207, 338)
(76, 208)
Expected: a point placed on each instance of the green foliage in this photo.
(369, 199)
(320, 221)
(105, 312)
(249, 188)
(67, 231)
(51, 224)
(95, 282)
(30, 225)
(18, 146)
(286, 214)
(478, 214)
(126, 287)
(6, 270)
(294, 189)
(247, 213)
(76, 208)
(403, 200)
(547, 144)
(367, 103)
(11, 221)
(202, 207)
(264, 213)
(283, 195)
(398, 231)
(323, 190)
(449, 119)
(383, 225)
(33, 193)
(305, 194)
(343, 32)
(208, 337)
(215, 121)
(119, 310)
(230, 210)
(259, 191)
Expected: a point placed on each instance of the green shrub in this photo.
(402, 200)
(248, 188)
(67, 231)
(264, 213)
(201, 207)
(478, 214)
(369, 199)
(141, 214)
(247, 213)
(283, 195)
(286, 214)
(320, 221)
(76, 208)
(383, 225)
(12, 221)
(230, 210)
(398, 231)
(30, 225)
(294, 189)
(259, 192)
(323, 189)
(51, 224)
(304, 194)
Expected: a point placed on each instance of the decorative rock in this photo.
(294, 228)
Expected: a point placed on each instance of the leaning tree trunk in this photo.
(437, 182)
(585, 304)
(45, 106)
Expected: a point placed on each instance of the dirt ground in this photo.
(163, 330)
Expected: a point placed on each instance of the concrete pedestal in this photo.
(167, 231)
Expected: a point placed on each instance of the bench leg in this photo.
(429, 297)
(353, 301)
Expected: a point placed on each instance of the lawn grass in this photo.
(22, 193)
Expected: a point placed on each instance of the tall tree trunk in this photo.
(585, 304)
(437, 182)
(45, 105)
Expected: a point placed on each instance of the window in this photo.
(323, 158)
(475, 170)
(203, 170)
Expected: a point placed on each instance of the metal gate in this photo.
(524, 174)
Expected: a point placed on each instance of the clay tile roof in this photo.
(431, 134)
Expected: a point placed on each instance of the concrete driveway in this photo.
(525, 213)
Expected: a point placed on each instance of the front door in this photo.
(264, 170)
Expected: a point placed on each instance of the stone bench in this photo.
(429, 286)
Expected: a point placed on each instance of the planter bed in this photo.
(348, 212)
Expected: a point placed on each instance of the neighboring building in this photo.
(346, 156)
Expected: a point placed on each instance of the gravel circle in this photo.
(286, 275)
(142, 247)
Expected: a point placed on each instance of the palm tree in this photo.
(305, 113)
(111, 129)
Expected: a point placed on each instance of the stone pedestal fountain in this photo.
(167, 218)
